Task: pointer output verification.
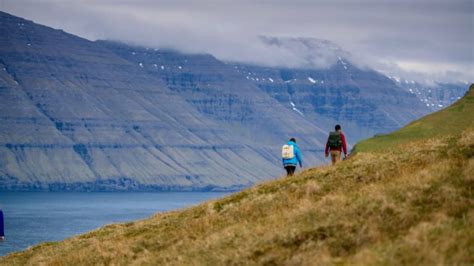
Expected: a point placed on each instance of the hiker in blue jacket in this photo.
(291, 157)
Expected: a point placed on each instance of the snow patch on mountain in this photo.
(434, 97)
(293, 107)
(298, 111)
(344, 64)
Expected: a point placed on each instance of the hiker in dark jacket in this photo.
(335, 145)
(291, 157)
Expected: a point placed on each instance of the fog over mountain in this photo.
(423, 40)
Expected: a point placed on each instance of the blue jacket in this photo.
(295, 160)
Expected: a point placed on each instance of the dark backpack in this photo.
(335, 140)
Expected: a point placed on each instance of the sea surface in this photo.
(35, 217)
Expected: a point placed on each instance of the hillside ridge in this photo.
(408, 204)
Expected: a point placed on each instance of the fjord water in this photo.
(34, 217)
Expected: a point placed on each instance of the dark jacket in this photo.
(342, 148)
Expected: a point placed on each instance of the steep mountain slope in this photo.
(77, 116)
(435, 96)
(363, 101)
(220, 93)
(82, 115)
(410, 203)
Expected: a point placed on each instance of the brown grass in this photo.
(411, 205)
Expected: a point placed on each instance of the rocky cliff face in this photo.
(363, 101)
(82, 115)
(219, 92)
(434, 96)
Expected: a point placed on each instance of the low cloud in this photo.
(421, 38)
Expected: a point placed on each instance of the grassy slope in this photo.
(450, 121)
(410, 204)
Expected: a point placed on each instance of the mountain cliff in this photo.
(78, 115)
(364, 101)
(402, 198)
(83, 115)
(435, 96)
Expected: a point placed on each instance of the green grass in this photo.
(408, 205)
(450, 121)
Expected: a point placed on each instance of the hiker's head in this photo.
(337, 127)
(293, 139)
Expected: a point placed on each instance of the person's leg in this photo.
(335, 156)
(287, 168)
(292, 170)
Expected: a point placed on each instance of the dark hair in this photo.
(293, 139)
(337, 127)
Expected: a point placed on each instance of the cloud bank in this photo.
(422, 39)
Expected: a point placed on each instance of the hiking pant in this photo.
(335, 156)
(290, 170)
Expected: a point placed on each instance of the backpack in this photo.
(288, 151)
(335, 140)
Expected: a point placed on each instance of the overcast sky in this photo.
(415, 39)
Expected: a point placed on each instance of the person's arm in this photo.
(344, 144)
(299, 157)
